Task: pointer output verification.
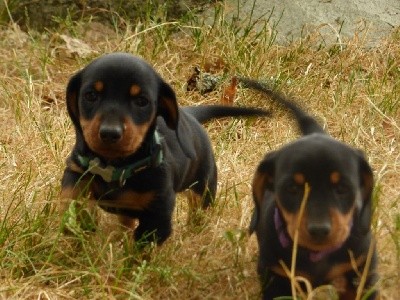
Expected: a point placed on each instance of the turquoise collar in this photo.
(111, 174)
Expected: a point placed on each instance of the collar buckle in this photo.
(122, 179)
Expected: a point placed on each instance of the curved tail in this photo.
(306, 123)
(204, 113)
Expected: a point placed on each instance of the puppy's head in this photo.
(339, 200)
(113, 103)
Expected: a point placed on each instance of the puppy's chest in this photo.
(327, 270)
(136, 193)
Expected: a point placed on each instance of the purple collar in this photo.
(285, 240)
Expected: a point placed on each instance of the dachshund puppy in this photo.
(332, 230)
(135, 148)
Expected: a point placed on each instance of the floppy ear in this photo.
(366, 186)
(264, 177)
(168, 106)
(263, 181)
(73, 88)
(169, 111)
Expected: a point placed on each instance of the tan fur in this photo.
(339, 232)
(131, 140)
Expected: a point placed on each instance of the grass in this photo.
(353, 90)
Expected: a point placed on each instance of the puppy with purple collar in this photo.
(316, 191)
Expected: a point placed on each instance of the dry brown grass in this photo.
(353, 90)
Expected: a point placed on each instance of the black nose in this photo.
(110, 133)
(319, 231)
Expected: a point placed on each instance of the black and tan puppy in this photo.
(135, 148)
(333, 234)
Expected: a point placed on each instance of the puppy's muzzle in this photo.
(111, 130)
(319, 231)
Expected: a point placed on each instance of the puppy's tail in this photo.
(205, 113)
(306, 122)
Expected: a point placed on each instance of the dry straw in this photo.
(294, 280)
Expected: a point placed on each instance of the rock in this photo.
(332, 19)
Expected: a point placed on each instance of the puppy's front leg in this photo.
(274, 286)
(155, 224)
(76, 205)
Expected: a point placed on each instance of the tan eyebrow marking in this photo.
(335, 177)
(135, 90)
(299, 178)
(99, 86)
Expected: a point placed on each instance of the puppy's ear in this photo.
(263, 182)
(73, 88)
(169, 111)
(366, 186)
(264, 177)
(168, 106)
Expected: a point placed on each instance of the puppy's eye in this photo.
(341, 189)
(294, 189)
(90, 96)
(140, 101)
